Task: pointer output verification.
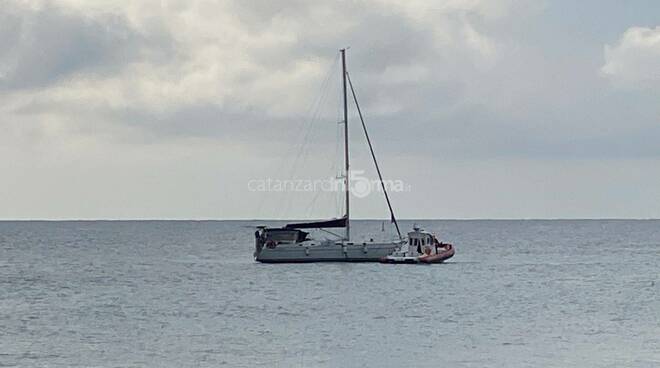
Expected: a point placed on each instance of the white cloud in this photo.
(160, 57)
(634, 61)
(100, 85)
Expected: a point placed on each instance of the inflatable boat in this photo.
(423, 247)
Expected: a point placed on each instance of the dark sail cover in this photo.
(340, 222)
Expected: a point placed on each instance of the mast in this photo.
(346, 173)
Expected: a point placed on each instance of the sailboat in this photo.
(291, 243)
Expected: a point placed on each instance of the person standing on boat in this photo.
(436, 244)
(260, 239)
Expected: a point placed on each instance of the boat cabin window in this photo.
(286, 236)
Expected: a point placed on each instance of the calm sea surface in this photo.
(186, 293)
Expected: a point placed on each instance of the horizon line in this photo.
(357, 219)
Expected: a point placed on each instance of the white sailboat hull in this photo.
(335, 252)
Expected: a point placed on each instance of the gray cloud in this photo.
(47, 45)
(452, 81)
(440, 77)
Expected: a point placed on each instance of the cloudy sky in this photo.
(485, 108)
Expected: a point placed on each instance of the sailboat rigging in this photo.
(291, 244)
(373, 155)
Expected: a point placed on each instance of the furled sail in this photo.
(340, 222)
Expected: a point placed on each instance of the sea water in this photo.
(188, 293)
